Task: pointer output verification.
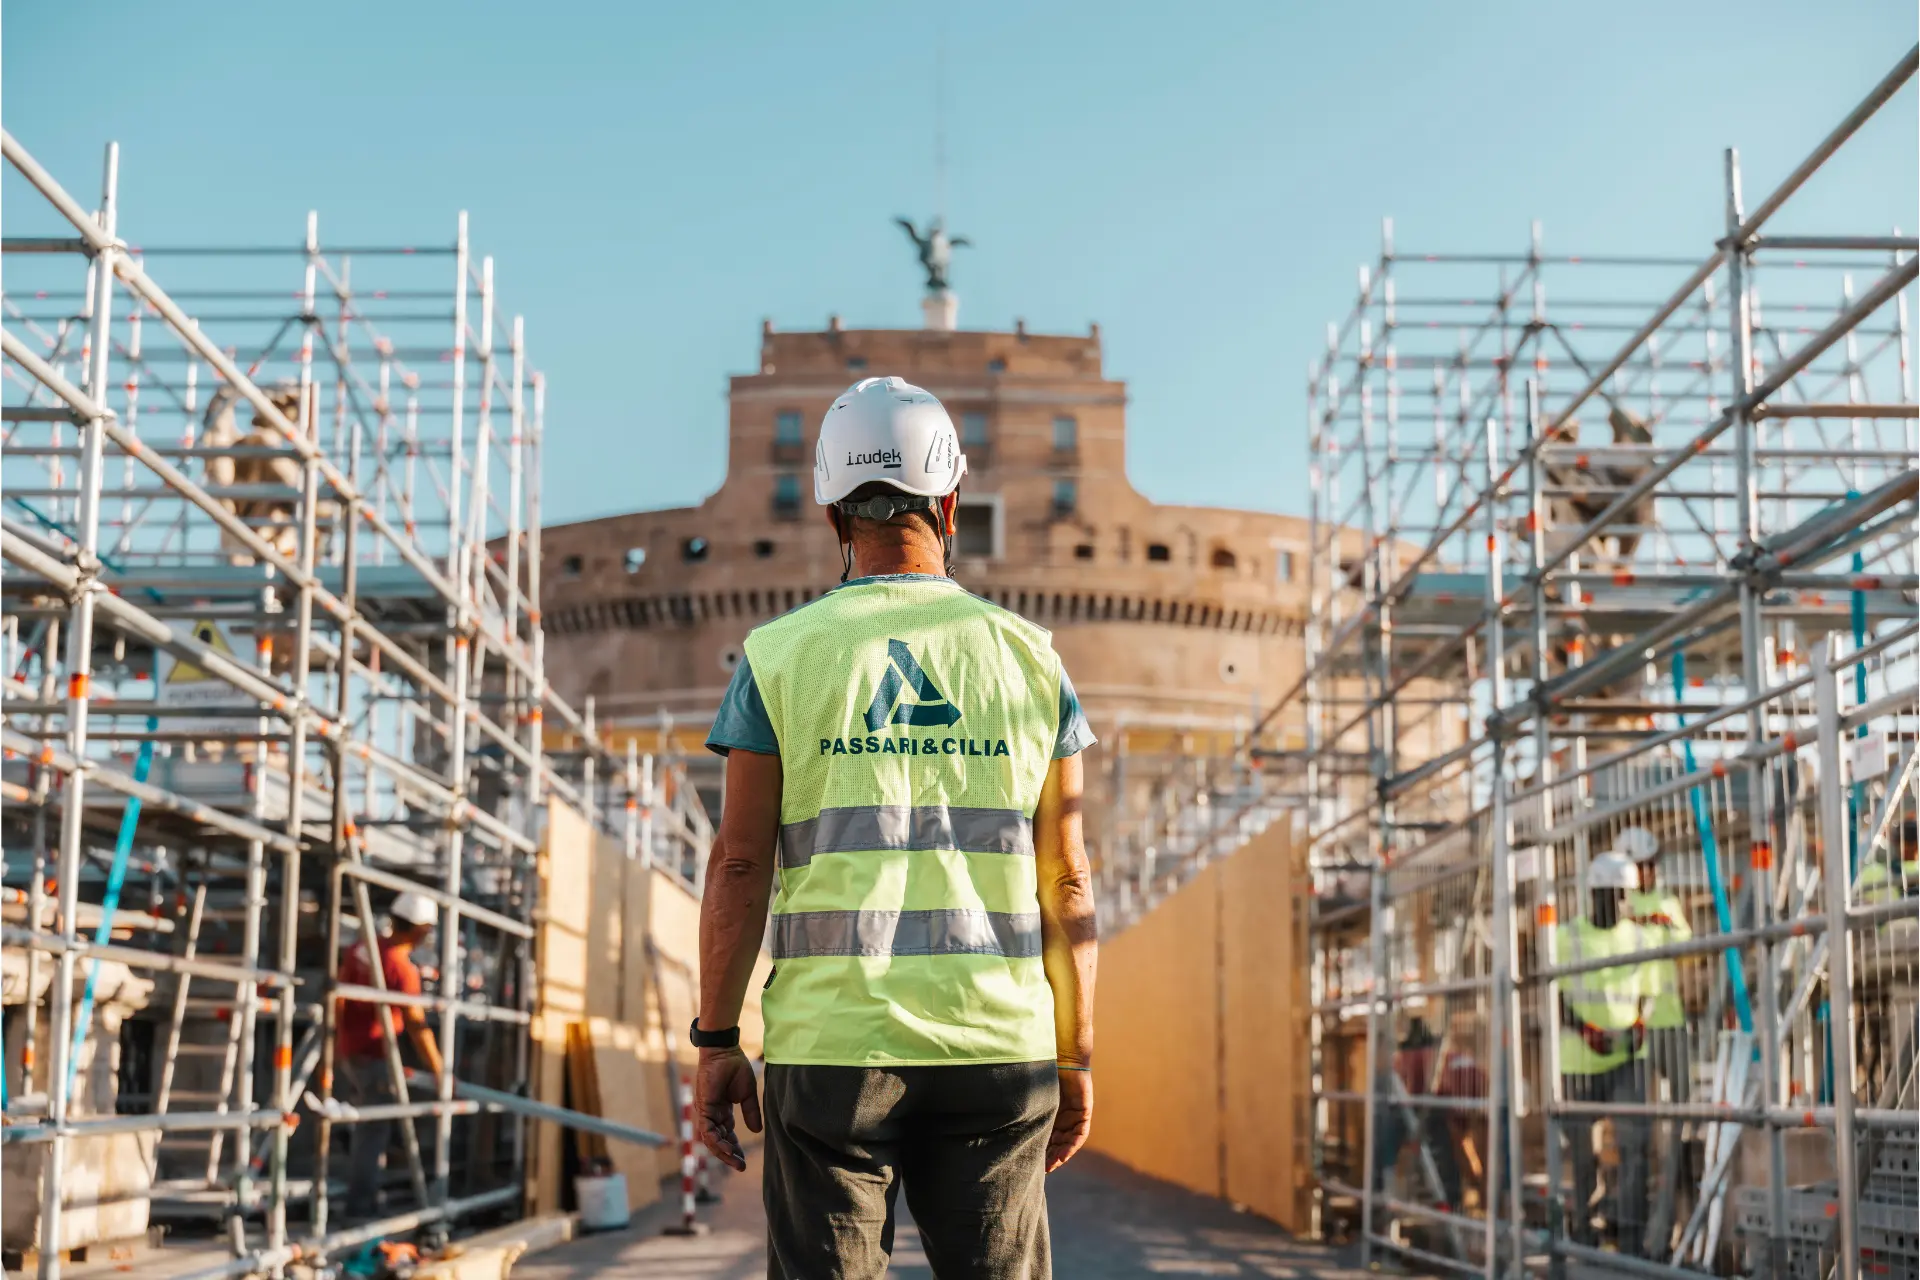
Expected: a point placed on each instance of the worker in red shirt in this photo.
(1397, 1120)
(362, 1077)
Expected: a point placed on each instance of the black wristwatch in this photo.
(728, 1039)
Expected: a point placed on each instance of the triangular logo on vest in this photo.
(903, 672)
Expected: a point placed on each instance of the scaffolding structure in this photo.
(1602, 562)
(258, 681)
(1172, 800)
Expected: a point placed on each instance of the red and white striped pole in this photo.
(689, 1166)
(704, 1192)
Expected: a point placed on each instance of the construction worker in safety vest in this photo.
(1892, 875)
(903, 790)
(1662, 919)
(1602, 1037)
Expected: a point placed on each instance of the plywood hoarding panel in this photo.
(1265, 1060)
(1200, 1045)
(1157, 1031)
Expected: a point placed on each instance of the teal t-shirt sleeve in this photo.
(1076, 735)
(742, 721)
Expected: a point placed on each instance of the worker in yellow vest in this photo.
(1892, 875)
(1662, 919)
(903, 791)
(1602, 1038)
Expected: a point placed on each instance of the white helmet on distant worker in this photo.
(889, 430)
(415, 909)
(1637, 843)
(1612, 871)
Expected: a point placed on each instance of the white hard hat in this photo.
(1637, 843)
(414, 908)
(1612, 871)
(889, 430)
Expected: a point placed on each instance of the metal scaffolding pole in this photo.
(79, 664)
(1839, 963)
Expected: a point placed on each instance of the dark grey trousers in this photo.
(969, 1142)
(364, 1082)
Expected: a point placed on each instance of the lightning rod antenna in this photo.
(940, 123)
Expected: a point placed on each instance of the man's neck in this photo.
(886, 561)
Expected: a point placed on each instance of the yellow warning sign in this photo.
(188, 687)
(184, 671)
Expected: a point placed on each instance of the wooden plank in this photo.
(590, 1149)
(624, 1071)
(608, 935)
(564, 867)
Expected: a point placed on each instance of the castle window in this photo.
(694, 550)
(1083, 552)
(571, 566)
(1223, 558)
(1066, 434)
(856, 363)
(786, 495)
(786, 427)
(973, 531)
(1159, 552)
(1286, 566)
(973, 429)
(764, 550)
(1066, 497)
(996, 365)
(635, 557)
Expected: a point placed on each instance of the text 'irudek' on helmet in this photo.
(889, 430)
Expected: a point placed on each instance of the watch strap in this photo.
(699, 1039)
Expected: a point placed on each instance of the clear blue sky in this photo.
(1200, 179)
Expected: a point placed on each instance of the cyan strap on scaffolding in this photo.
(116, 877)
(46, 521)
(1857, 602)
(1710, 849)
(123, 847)
(1856, 798)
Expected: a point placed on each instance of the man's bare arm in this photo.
(423, 1042)
(733, 919)
(733, 910)
(1069, 948)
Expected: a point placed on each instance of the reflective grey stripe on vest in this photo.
(906, 933)
(889, 827)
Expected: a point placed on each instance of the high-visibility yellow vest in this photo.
(1664, 1009)
(916, 724)
(1878, 884)
(1605, 998)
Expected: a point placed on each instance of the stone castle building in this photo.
(1173, 621)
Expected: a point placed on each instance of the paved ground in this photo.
(1108, 1224)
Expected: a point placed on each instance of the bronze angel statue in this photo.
(936, 251)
